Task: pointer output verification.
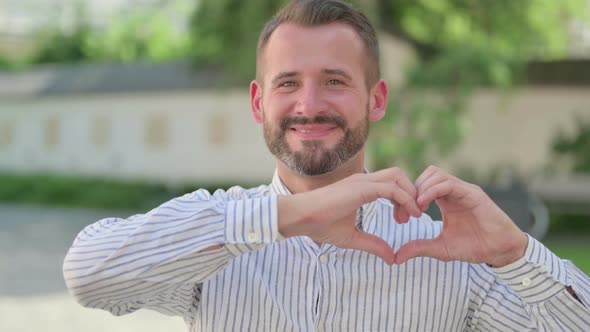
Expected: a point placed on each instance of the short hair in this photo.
(310, 13)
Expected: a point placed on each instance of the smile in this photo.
(313, 131)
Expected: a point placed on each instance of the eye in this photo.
(287, 84)
(334, 82)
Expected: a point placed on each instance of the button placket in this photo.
(322, 259)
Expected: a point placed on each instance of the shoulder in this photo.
(233, 193)
(238, 192)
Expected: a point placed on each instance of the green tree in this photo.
(56, 44)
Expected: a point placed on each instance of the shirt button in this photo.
(251, 237)
(323, 259)
(526, 282)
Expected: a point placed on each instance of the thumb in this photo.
(373, 245)
(421, 248)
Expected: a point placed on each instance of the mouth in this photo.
(313, 131)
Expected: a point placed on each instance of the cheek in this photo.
(350, 105)
(277, 107)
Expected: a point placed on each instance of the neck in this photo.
(298, 183)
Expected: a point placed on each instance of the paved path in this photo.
(33, 297)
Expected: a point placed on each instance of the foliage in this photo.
(575, 148)
(7, 63)
(105, 193)
(57, 46)
(568, 223)
(506, 28)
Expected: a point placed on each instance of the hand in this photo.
(328, 214)
(474, 230)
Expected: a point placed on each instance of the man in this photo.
(328, 246)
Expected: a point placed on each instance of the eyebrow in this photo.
(338, 72)
(284, 74)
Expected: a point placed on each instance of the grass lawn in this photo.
(575, 248)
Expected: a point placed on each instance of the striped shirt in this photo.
(259, 281)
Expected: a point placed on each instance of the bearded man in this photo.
(328, 246)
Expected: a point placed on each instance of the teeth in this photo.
(310, 131)
(305, 131)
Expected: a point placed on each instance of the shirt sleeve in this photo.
(156, 260)
(530, 294)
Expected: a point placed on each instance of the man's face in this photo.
(314, 100)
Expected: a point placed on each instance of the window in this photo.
(217, 129)
(6, 133)
(51, 131)
(156, 131)
(100, 131)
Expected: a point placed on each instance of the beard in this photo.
(315, 158)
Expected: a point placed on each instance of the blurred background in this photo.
(109, 108)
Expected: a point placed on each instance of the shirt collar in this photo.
(277, 185)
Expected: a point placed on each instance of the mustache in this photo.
(320, 119)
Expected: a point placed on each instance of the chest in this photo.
(292, 287)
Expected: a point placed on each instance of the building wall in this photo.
(517, 130)
(209, 136)
(199, 136)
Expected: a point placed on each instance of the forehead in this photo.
(299, 48)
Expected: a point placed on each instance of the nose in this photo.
(310, 102)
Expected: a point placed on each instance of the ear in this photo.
(378, 101)
(256, 101)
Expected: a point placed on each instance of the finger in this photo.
(437, 176)
(428, 172)
(402, 215)
(406, 205)
(396, 211)
(428, 183)
(396, 176)
(421, 248)
(434, 179)
(446, 189)
(373, 245)
(374, 190)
